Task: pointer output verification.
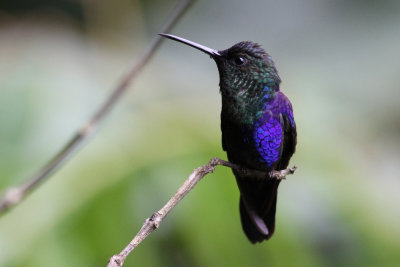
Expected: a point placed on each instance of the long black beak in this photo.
(205, 49)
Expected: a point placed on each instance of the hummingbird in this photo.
(258, 128)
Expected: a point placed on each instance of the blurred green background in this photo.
(340, 66)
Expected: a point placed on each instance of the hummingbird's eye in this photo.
(239, 60)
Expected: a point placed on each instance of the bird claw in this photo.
(281, 175)
(277, 175)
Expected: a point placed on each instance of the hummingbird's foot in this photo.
(281, 175)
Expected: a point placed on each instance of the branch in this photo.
(15, 195)
(154, 221)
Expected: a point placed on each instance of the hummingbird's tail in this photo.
(257, 207)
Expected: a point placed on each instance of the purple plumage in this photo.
(267, 139)
(268, 132)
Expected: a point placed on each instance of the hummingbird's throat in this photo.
(245, 106)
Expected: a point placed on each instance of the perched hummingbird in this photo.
(258, 128)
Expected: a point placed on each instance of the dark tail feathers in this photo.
(257, 207)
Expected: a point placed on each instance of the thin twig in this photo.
(154, 221)
(15, 195)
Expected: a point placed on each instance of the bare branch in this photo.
(15, 195)
(154, 221)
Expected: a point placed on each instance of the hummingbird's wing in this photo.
(289, 132)
(275, 143)
(258, 196)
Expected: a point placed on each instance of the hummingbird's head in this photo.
(248, 77)
(245, 68)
